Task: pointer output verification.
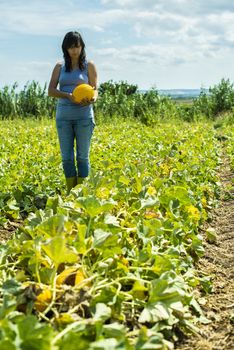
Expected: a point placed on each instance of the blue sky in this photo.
(151, 43)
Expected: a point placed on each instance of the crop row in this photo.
(112, 265)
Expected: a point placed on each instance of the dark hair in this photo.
(73, 39)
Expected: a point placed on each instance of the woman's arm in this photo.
(92, 74)
(52, 89)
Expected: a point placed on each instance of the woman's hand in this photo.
(94, 99)
(85, 101)
(71, 98)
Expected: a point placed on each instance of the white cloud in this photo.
(150, 54)
(173, 22)
(53, 20)
(107, 66)
(151, 33)
(189, 7)
(183, 21)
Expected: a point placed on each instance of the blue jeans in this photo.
(68, 132)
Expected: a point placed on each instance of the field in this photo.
(117, 264)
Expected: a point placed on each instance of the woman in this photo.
(74, 121)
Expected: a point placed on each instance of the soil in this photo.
(218, 262)
(7, 231)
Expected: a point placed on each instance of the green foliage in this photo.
(113, 88)
(120, 99)
(148, 107)
(222, 97)
(124, 100)
(219, 100)
(8, 101)
(23, 190)
(25, 333)
(31, 101)
(131, 228)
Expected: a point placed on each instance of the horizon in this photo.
(19, 87)
(174, 93)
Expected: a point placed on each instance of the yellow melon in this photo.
(70, 276)
(83, 91)
(43, 299)
(67, 276)
(79, 277)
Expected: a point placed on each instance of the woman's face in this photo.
(74, 51)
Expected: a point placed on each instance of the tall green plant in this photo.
(222, 97)
(218, 100)
(8, 101)
(32, 100)
(114, 88)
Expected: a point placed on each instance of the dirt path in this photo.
(218, 261)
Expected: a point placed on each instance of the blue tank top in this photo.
(66, 109)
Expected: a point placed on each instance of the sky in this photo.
(173, 44)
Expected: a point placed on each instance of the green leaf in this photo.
(154, 313)
(80, 243)
(104, 239)
(138, 290)
(11, 203)
(211, 235)
(151, 340)
(149, 202)
(57, 251)
(162, 263)
(166, 289)
(177, 193)
(7, 345)
(115, 330)
(70, 341)
(46, 275)
(8, 305)
(52, 226)
(105, 344)
(35, 336)
(102, 312)
(93, 206)
(12, 287)
(53, 203)
(25, 332)
(100, 237)
(111, 220)
(125, 180)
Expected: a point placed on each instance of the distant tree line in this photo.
(122, 100)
